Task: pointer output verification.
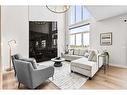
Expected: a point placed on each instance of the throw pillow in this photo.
(86, 55)
(66, 51)
(81, 52)
(32, 61)
(94, 58)
(76, 52)
(71, 51)
(91, 55)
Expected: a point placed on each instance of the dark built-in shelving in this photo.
(42, 40)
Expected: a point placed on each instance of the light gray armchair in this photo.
(31, 77)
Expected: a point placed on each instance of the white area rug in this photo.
(64, 79)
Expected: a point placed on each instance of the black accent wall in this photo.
(42, 40)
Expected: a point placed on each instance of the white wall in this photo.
(118, 49)
(106, 11)
(15, 25)
(41, 13)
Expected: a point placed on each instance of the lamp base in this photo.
(9, 69)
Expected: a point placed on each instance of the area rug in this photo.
(64, 79)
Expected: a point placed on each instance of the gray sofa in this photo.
(74, 54)
(69, 57)
(29, 76)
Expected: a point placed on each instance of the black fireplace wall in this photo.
(42, 40)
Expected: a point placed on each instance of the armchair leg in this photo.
(72, 71)
(90, 78)
(19, 85)
(15, 74)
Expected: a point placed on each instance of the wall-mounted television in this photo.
(42, 40)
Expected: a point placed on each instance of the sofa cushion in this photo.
(71, 57)
(76, 51)
(94, 58)
(71, 51)
(31, 60)
(83, 63)
(81, 52)
(76, 56)
(91, 56)
(96, 51)
(40, 66)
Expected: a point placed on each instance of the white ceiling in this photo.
(103, 12)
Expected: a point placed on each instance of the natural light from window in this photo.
(84, 28)
(85, 39)
(72, 39)
(78, 29)
(78, 13)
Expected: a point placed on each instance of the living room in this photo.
(96, 22)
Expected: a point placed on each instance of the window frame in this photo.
(82, 18)
(82, 43)
(76, 25)
(74, 39)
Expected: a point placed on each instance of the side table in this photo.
(105, 61)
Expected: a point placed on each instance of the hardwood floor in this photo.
(115, 78)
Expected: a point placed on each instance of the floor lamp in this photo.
(11, 43)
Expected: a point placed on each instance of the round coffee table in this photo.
(57, 62)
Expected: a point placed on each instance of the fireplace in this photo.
(42, 40)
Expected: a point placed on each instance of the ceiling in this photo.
(104, 12)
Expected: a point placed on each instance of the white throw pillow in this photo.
(76, 52)
(81, 52)
(71, 51)
(86, 55)
(94, 58)
(91, 56)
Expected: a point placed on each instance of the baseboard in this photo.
(121, 66)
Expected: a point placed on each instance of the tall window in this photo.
(72, 39)
(78, 29)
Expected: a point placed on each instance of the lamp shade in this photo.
(12, 43)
